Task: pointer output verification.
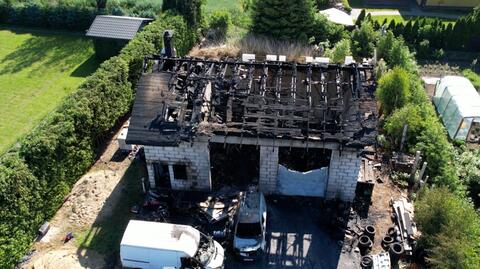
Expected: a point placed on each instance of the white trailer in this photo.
(156, 245)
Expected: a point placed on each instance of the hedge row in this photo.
(410, 105)
(35, 178)
(69, 15)
(464, 35)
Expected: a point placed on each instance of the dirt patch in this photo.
(380, 210)
(85, 205)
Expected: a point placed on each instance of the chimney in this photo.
(169, 50)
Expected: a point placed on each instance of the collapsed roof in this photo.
(178, 99)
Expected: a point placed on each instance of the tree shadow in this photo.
(86, 68)
(106, 232)
(50, 51)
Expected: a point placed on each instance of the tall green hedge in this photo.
(35, 178)
(429, 34)
(71, 14)
(49, 15)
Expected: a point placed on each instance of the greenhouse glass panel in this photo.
(464, 129)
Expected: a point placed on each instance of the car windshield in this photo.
(206, 250)
(248, 230)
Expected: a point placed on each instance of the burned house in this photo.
(205, 124)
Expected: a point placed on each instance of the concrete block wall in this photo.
(268, 169)
(195, 156)
(343, 174)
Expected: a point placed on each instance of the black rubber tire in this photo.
(364, 244)
(367, 262)
(364, 241)
(370, 232)
(396, 252)
(387, 241)
(392, 232)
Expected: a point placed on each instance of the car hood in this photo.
(217, 260)
(241, 243)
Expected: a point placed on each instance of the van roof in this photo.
(165, 236)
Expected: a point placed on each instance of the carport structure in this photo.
(184, 107)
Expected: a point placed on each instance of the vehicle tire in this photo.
(396, 252)
(367, 262)
(387, 241)
(370, 232)
(364, 244)
(392, 231)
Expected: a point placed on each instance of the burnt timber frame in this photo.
(274, 100)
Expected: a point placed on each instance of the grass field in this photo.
(38, 69)
(211, 5)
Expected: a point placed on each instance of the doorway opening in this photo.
(234, 165)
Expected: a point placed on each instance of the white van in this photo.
(156, 245)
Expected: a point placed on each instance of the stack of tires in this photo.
(392, 242)
(365, 243)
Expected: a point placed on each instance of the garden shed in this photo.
(111, 33)
(458, 104)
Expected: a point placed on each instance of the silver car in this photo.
(250, 228)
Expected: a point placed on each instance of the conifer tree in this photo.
(191, 10)
(360, 18)
(392, 25)
(283, 19)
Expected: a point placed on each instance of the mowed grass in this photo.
(212, 5)
(38, 68)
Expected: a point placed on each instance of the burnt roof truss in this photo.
(267, 99)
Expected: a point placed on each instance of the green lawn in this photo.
(38, 68)
(473, 77)
(211, 5)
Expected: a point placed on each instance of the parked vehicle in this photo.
(250, 228)
(156, 245)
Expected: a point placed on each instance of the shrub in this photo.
(70, 15)
(21, 214)
(468, 163)
(191, 10)
(284, 20)
(363, 40)
(450, 229)
(340, 51)
(50, 159)
(220, 21)
(360, 18)
(395, 52)
(409, 114)
(393, 90)
(322, 4)
(325, 31)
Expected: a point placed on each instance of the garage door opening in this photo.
(303, 172)
(234, 165)
(303, 160)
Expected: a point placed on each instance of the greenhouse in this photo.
(458, 104)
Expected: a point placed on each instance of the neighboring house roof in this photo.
(337, 16)
(116, 27)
